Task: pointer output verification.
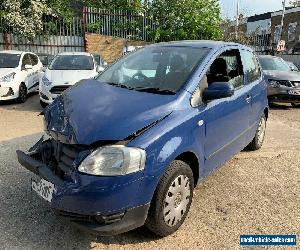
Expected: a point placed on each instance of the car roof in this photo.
(199, 44)
(75, 54)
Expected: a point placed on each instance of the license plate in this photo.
(43, 188)
(294, 92)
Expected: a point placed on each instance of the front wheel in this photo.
(172, 199)
(259, 137)
(22, 93)
(294, 105)
(43, 104)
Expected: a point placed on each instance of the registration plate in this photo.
(294, 92)
(43, 188)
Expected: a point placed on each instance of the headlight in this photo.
(114, 160)
(8, 78)
(46, 81)
(274, 83)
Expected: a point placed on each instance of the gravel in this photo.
(254, 193)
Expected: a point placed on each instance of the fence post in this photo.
(6, 40)
(84, 27)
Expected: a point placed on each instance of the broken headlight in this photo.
(114, 160)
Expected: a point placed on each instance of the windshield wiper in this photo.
(155, 90)
(119, 85)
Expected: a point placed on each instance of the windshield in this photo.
(163, 68)
(8, 60)
(274, 63)
(72, 62)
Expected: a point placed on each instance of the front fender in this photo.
(175, 135)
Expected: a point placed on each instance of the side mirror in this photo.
(27, 66)
(105, 64)
(218, 90)
(43, 69)
(100, 69)
(292, 68)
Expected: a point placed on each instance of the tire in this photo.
(22, 93)
(43, 104)
(165, 218)
(294, 105)
(259, 137)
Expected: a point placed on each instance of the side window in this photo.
(251, 66)
(227, 68)
(26, 60)
(34, 59)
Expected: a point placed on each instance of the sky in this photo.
(249, 7)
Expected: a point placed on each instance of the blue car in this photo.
(127, 148)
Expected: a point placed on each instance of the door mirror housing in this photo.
(218, 90)
(44, 69)
(27, 66)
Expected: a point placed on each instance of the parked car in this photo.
(19, 74)
(64, 71)
(283, 83)
(125, 149)
(293, 67)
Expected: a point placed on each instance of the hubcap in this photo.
(177, 200)
(261, 131)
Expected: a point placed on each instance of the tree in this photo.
(134, 5)
(186, 19)
(26, 16)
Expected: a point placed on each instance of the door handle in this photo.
(248, 99)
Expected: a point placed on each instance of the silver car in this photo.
(283, 83)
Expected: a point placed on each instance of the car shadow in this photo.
(27, 222)
(32, 104)
(280, 106)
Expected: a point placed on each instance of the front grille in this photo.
(60, 157)
(286, 83)
(296, 84)
(59, 89)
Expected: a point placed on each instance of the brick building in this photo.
(291, 28)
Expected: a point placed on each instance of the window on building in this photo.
(277, 33)
(292, 31)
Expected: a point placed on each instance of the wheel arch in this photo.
(191, 159)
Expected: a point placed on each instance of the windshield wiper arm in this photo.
(119, 85)
(155, 90)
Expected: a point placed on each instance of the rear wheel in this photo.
(294, 105)
(172, 199)
(22, 93)
(259, 137)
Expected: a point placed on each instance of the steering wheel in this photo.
(140, 77)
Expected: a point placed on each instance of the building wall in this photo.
(110, 48)
(260, 26)
(291, 16)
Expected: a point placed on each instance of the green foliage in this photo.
(135, 5)
(186, 19)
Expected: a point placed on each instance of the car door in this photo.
(36, 69)
(28, 73)
(256, 86)
(226, 120)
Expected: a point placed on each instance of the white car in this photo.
(64, 71)
(19, 74)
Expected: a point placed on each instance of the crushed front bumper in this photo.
(105, 205)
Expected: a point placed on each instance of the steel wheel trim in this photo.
(177, 200)
(261, 131)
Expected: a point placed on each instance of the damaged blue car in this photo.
(127, 148)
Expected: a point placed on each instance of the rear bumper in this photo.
(105, 205)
